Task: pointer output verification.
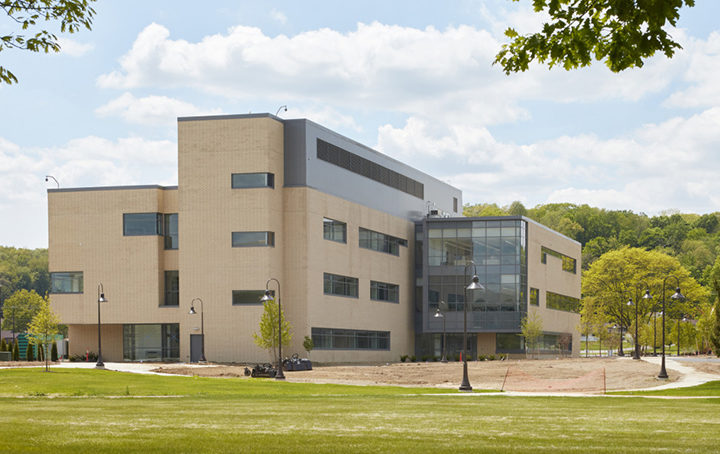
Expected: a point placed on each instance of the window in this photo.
(380, 242)
(350, 339)
(382, 291)
(172, 289)
(534, 297)
(569, 264)
(357, 164)
(151, 342)
(253, 239)
(455, 204)
(171, 231)
(66, 282)
(562, 302)
(334, 230)
(334, 284)
(247, 297)
(253, 180)
(136, 224)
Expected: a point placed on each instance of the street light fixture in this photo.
(439, 314)
(101, 299)
(269, 297)
(474, 285)
(646, 297)
(677, 296)
(202, 325)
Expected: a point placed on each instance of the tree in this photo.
(268, 336)
(16, 351)
(72, 15)
(715, 335)
(43, 327)
(3, 345)
(23, 269)
(308, 344)
(29, 352)
(22, 305)
(532, 330)
(618, 276)
(54, 352)
(622, 33)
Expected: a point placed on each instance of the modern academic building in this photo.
(365, 250)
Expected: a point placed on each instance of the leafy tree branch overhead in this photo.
(621, 33)
(70, 16)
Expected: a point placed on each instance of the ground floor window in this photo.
(159, 342)
(350, 339)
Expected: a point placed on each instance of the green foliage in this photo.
(715, 329)
(16, 351)
(54, 352)
(308, 344)
(3, 346)
(68, 15)
(23, 305)
(29, 352)
(623, 34)
(267, 338)
(484, 209)
(23, 269)
(532, 330)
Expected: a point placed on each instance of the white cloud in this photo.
(701, 72)
(278, 16)
(74, 48)
(150, 110)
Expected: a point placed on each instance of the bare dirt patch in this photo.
(619, 373)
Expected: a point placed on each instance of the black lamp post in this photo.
(268, 297)
(101, 299)
(646, 297)
(474, 285)
(677, 296)
(439, 314)
(202, 325)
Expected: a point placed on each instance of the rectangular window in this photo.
(562, 302)
(151, 342)
(455, 204)
(380, 242)
(334, 284)
(357, 164)
(171, 230)
(382, 291)
(253, 239)
(569, 264)
(66, 282)
(136, 224)
(534, 297)
(172, 289)
(247, 297)
(334, 230)
(253, 180)
(350, 339)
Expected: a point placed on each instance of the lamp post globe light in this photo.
(101, 299)
(202, 325)
(677, 296)
(474, 285)
(439, 314)
(268, 297)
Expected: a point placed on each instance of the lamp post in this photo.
(677, 296)
(50, 177)
(268, 297)
(646, 297)
(474, 285)
(202, 325)
(101, 299)
(439, 314)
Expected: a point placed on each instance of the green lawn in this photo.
(100, 413)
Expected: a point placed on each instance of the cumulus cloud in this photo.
(150, 110)
(701, 73)
(669, 164)
(73, 48)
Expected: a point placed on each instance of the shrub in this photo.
(413, 358)
(16, 351)
(457, 356)
(3, 346)
(29, 356)
(424, 358)
(54, 352)
(491, 357)
(435, 359)
(40, 353)
(481, 358)
(403, 358)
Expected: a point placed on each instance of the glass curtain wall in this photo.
(151, 342)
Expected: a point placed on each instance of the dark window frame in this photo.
(171, 238)
(171, 295)
(385, 292)
(252, 297)
(350, 339)
(534, 297)
(333, 283)
(72, 276)
(569, 264)
(132, 230)
(380, 242)
(235, 183)
(560, 302)
(269, 239)
(330, 233)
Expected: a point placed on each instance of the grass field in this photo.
(90, 411)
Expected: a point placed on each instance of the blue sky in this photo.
(412, 79)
